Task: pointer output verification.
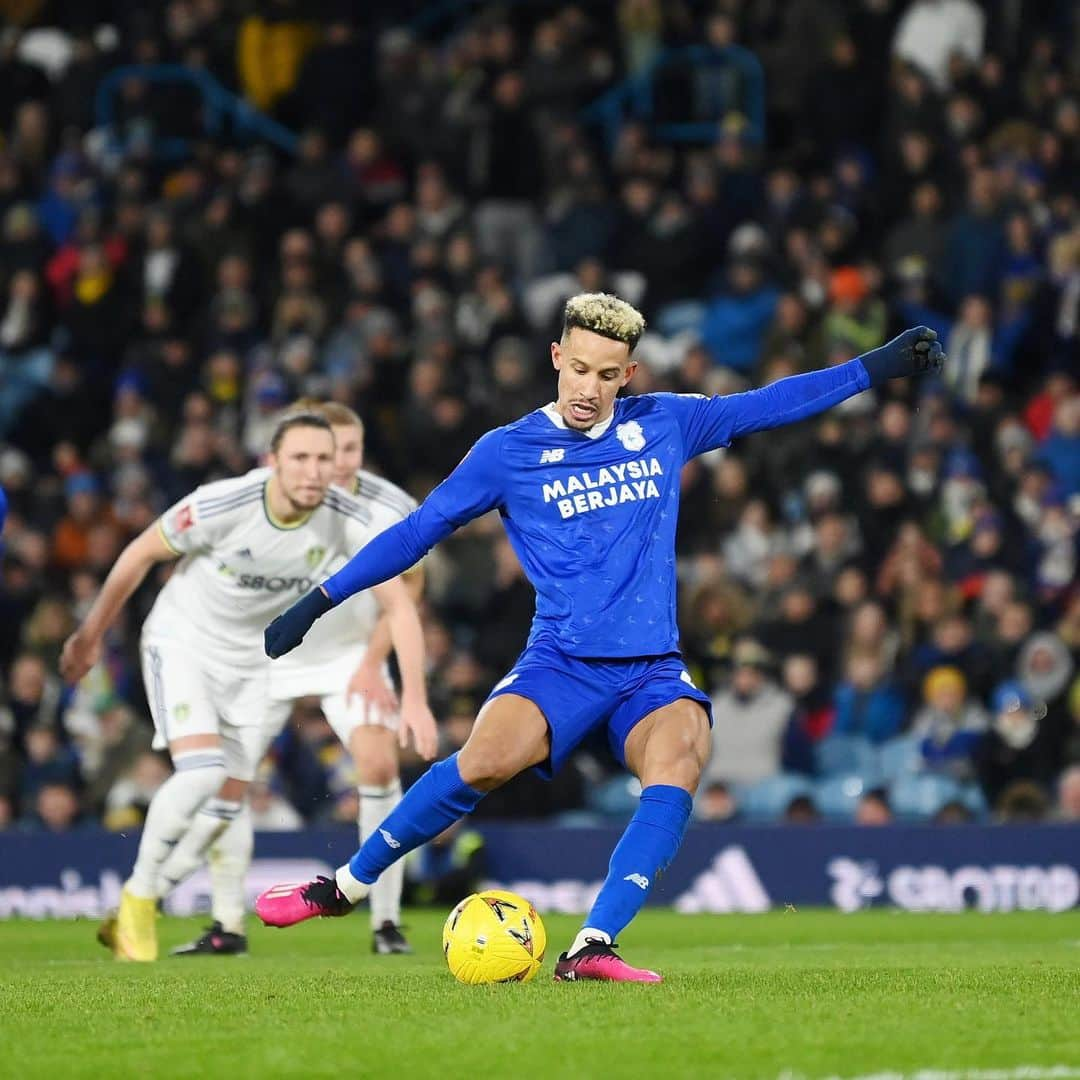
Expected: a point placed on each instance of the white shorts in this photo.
(344, 717)
(192, 696)
(327, 681)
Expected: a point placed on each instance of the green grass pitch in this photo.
(789, 995)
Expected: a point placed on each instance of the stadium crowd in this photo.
(882, 603)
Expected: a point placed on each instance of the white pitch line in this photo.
(1017, 1072)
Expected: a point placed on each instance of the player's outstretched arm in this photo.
(82, 649)
(711, 422)
(408, 640)
(472, 489)
(914, 352)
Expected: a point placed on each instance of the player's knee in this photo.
(486, 767)
(377, 770)
(233, 789)
(682, 772)
(679, 766)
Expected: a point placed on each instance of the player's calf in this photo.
(374, 750)
(666, 750)
(647, 846)
(432, 804)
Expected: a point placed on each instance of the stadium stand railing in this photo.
(635, 98)
(220, 106)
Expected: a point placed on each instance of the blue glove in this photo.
(289, 628)
(914, 352)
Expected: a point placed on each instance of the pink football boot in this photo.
(284, 905)
(598, 960)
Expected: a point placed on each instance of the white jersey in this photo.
(240, 568)
(335, 644)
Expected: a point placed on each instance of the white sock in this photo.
(214, 817)
(375, 804)
(199, 775)
(587, 935)
(354, 889)
(230, 860)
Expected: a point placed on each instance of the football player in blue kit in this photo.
(588, 491)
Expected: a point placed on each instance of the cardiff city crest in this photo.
(630, 435)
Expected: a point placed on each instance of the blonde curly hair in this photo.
(605, 315)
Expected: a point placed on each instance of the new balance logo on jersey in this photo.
(730, 883)
(640, 880)
(390, 841)
(244, 553)
(548, 457)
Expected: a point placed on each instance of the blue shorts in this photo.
(577, 696)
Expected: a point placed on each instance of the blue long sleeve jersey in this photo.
(592, 515)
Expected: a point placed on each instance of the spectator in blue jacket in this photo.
(866, 702)
(736, 321)
(975, 241)
(1061, 451)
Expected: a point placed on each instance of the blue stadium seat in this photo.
(974, 800)
(615, 798)
(768, 799)
(919, 796)
(899, 757)
(579, 819)
(841, 755)
(680, 317)
(837, 796)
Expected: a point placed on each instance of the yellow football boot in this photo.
(135, 937)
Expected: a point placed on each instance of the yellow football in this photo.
(494, 936)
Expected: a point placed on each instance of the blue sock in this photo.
(645, 849)
(432, 804)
